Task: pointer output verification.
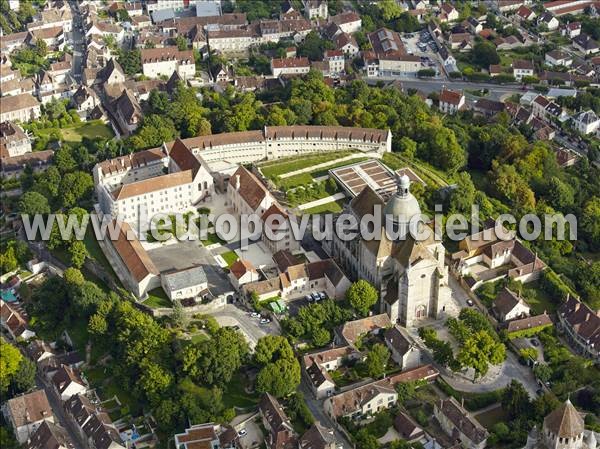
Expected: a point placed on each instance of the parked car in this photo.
(309, 298)
(470, 302)
(322, 295)
(534, 342)
(315, 296)
(265, 321)
(242, 432)
(255, 315)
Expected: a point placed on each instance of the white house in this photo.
(247, 195)
(451, 101)
(586, 122)
(22, 108)
(558, 58)
(67, 383)
(348, 22)
(26, 413)
(549, 20)
(335, 59)
(182, 284)
(242, 272)
(157, 62)
(509, 306)
(522, 68)
(403, 349)
(289, 66)
(315, 9)
(13, 141)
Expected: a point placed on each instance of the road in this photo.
(316, 408)
(59, 413)
(231, 315)
(497, 91)
(78, 39)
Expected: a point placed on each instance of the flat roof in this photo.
(355, 177)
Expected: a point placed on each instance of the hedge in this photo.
(473, 401)
(526, 333)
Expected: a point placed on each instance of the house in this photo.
(451, 101)
(473, 25)
(13, 320)
(38, 161)
(39, 350)
(571, 29)
(581, 326)
(128, 112)
(505, 6)
(199, 436)
(495, 70)
(447, 58)
(280, 432)
(22, 108)
(85, 100)
(391, 56)
(525, 13)
(187, 283)
(277, 229)
(566, 157)
(458, 423)
(247, 195)
(407, 428)
(488, 108)
(289, 66)
(93, 424)
(347, 44)
(317, 365)
(351, 331)
(67, 382)
(373, 397)
(347, 21)
(13, 141)
(242, 272)
(531, 322)
(509, 306)
(460, 41)
(402, 347)
(315, 9)
(548, 19)
(448, 13)
(335, 60)
(157, 62)
(318, 437)
(586, 122)
(558, 58)
(26, 413)
(585, 44)
(50, 436)
(522, 68)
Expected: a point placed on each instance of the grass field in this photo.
(303, 179)
(235, 395)
(229, 257)
(332, 207)
(157, 298)
(211, 239)
(91, 129)
(429, 174)
(538, 300)
(280, 167)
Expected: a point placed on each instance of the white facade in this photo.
(586, 122)
(21, 108)
(185, 68)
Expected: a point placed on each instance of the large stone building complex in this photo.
(410, 274)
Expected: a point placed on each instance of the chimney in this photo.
(237, 182)
(462, 401)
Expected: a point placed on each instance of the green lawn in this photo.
(428, 173)
(279, 167)
(91, 129)
(303, 179)
(235, 395)
(230, 257)
(95, 252)
(211, 239)
(538, 299)
(331, 207)
(491, 417)
(157, 298)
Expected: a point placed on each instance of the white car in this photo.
(265, 321)
(242, 432)
(255, 315)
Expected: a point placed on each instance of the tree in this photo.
(362, 296)
(406, 390)
(543, 372)
(73, 277)
(8, 260)
(390, 9)
(377, 360)
(480, 350)
(10, 360)
(78, 253)
(130, 61)
(484, 54)
(24, 378)
(560, 195)
(75, 187)
(33, 203)
(154, 131)
(86, 298)
(279, 378)
(590, 223)
(515, 400)
(463, 197)
(365, 440)
(154, 380)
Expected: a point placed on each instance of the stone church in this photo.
(410, 275)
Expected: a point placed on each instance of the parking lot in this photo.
(423, 45)
(251, 328)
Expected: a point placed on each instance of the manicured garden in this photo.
(331, 207)
(91, 130)
(229, 257)
(280, 167)
(157, 298)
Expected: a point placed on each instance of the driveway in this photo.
(231, 315)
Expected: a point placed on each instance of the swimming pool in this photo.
(8, 296)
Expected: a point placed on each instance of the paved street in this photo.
(316, 408)
(78, 39)
(59, 413)
(232, 315)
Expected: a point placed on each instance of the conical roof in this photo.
(565, 421)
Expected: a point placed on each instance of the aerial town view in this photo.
(300, 224)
